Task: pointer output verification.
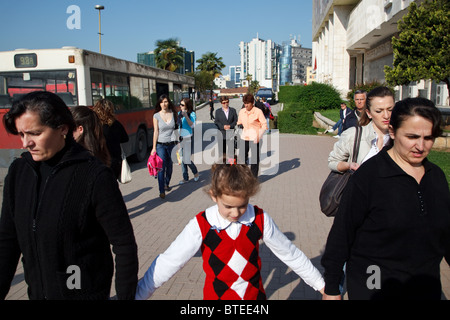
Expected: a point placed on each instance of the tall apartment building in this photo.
(257, 60)
(235, 75)
(352, 44)
(294, 62)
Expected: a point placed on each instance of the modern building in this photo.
(235, 75)
(189, 62)
(294, 62)
(148, 58)
(257, 60)
(223, 82)
(310, 75)
(352, 44)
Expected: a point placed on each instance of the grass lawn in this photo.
(332, 114)
(441, 159)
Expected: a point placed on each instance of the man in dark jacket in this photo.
(353, 118)
(225, 120)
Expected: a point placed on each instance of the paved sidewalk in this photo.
(290, 197)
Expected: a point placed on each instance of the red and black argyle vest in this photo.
(232, 267)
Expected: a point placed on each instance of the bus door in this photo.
(161, 88)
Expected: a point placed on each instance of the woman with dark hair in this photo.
(89, 133)
(393, 225)
(186, 123)
(374, 132)
(113, 131)
(164, 140)
(254, 125)
(62, 211)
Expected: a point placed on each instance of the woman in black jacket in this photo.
(392, 229)
(62, 210)
(114, 133)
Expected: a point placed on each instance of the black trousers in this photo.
(254, 163)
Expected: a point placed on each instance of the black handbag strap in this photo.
(357, 143)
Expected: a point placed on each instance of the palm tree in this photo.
(169, 55)
(209, 62)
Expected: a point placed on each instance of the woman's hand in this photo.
(345, 166)
(354, 166)
(327, 297)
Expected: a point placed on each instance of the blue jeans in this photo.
(186, 151)
(164, 176)
(338, 125)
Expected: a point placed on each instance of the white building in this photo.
(256, 60)
(223, 82)
(236, 75)
(352, 44)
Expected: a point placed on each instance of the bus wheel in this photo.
(141, 145)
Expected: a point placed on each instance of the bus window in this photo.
(16, 84)
(177, 94)
(5, 101)
(117, 90)
(153, 95)
(97, 86)
(140, 92)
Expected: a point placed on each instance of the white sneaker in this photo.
(337, 136)
(330, 130)
(196, 177)
(182, 182)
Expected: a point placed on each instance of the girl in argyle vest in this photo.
(228, 235)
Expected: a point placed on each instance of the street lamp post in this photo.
(99, 8)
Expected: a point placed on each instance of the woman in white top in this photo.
(375, 132)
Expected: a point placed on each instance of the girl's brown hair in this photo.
(105, 111)
(235, 180)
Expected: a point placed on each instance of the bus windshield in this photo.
(14, 85)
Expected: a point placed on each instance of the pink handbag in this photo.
(154, 164)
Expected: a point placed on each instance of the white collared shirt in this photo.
(226, 112)
(374, 143)
(190, 240)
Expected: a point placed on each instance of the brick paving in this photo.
(290, 197)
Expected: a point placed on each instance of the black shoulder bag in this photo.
(333, 187)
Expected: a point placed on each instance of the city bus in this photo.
(82, 77)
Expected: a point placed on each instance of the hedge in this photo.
(316, 96)
(296, 119)
(300, 102)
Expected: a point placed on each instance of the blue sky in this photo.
(133, 26)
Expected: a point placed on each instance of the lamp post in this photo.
(99, 8)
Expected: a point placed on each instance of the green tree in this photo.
(169, 55)
(203, 81)
(421, 50)
(211, 63)
(253, 87)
